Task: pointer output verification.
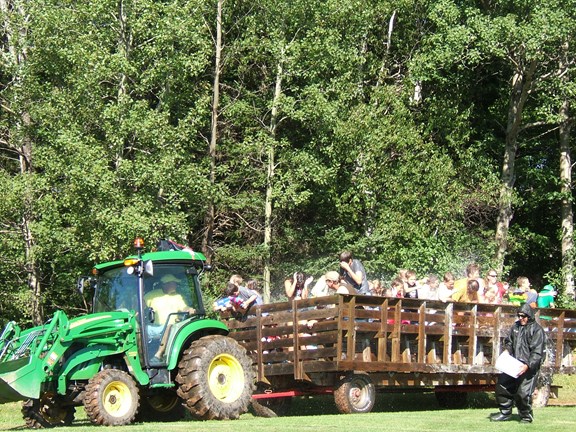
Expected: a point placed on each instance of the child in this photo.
(396, 288)
(411, 288)
(523, 293)
(446, 288)
(252, 285)
(230, 301)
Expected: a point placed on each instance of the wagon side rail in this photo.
(449, 343)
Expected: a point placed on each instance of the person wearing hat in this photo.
(334, 283)
(163, 302)
(166, 300)
(527, 344)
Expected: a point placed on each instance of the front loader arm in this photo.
(60, 350)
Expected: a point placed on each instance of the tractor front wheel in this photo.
(47, 412)
(111, 398)
(215, 378)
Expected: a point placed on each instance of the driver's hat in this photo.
(169, 278)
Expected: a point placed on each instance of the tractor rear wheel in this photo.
(111, 398)
(47, 412)
(215, 378)
(355, 393)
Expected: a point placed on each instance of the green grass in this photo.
(567, 392)
(393, 412)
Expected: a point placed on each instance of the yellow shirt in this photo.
(460, 284)
(463, 296)
(165, 304)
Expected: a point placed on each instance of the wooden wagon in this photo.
(353, 346)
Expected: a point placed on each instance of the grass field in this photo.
(393, 412)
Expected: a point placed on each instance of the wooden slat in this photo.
(382, 335)
(421, 333)
(473, 340)
(350, 333)
(560, 341)
(395, 335)
(447, 354)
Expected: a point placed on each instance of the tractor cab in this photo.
(161, 288)
(148, 351)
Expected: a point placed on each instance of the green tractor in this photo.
(147, 352)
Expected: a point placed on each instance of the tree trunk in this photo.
(21, 143)
(32, 268)
(209, 219)
(521, 84)
(566, 204)
(124, 45)
(270, 179)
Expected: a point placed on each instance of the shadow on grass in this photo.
(385, 402)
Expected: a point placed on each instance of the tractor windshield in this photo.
(117, 290)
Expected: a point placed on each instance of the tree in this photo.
(17, 142)
(565, 135)
(517, 46)
(207, 245)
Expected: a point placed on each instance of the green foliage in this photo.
(119, 102)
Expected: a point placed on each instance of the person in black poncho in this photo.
(526, 343)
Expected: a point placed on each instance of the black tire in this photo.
(355, 393)
(215, 378)
(111, 398)
(452, 400)
(273, 407)
(47, 412)
(161, 405)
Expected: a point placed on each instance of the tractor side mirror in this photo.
(85, 282)
(148, 268)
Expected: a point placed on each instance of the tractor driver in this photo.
(167, 300)
(163, 302)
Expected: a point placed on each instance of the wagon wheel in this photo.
(47, 412)
(355, 393)
(111, 398)
(215, 378)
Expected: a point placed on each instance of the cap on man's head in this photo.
(169, 278)
(332, 275)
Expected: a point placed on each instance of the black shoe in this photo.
(499, 417)
(526, 418)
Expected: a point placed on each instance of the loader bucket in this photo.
(19, 380)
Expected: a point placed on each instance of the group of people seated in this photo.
(472, 289)
(351, 278)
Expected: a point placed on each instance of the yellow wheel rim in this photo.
(226, 378)
(117, 399)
